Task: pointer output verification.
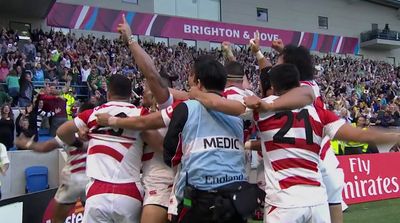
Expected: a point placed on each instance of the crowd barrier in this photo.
(370, 177)
(30, 208)
(13, 183)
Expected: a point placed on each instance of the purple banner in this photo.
(106, 20)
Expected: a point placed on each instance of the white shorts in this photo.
(72, 188)
(333, 178)
(108, 202)
(157, 196)
(173, 203)
(312, 214)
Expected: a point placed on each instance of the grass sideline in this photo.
(387, 211)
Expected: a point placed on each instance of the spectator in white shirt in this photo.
(4, 162)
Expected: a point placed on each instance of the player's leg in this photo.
(333, 179)
(97, 209)
(336, 213)
(127, 202)
(65, 199)
(155, 204)
(61, 212)
(126, 209)
(98, 206)
(154, 214)
(321, 214)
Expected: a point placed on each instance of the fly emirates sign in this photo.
(370, 177)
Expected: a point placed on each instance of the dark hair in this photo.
(265, 81)
(120, 86)
(22, 80)
(301, 58)
(10, 114)
(361, 116)
(210, 72)
(284, 77)
(85, 106)
(234, 69)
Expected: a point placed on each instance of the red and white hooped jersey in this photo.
(114, 155)
(154, 170)
(326, 142)
(317, 92)
(76, 161)
(237, 94)
(76, 157)
(291, 146)
(155, 173)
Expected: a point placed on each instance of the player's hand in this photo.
(103, 119)
(227, 51)
(4, 169)
(226, 46)
(23, 142)
(22, 111)
(247, 145)
(57, 110)
(124, 29)
(194, 92)
(255, 43)
(252, 102)
(83, 134)
(278, 45)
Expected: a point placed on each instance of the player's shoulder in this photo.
(232, 90)
(311, 83)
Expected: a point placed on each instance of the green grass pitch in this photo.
(387, 211)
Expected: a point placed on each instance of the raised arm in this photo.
(227, 51)
(145, 64)
(255, 49)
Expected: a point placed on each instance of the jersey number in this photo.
(279, 137)
(112, 132)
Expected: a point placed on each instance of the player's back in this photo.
(154, 169)
(291, 150)
(114, 155)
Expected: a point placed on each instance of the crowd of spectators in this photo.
(44, 75)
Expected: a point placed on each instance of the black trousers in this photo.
(203, 210)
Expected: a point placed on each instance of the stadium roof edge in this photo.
(390, 3)
(26, 9)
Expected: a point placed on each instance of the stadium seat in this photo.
(43, 132)
(13, 149)
(44, 138)
(36, 178)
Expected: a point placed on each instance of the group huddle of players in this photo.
(183, 156)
